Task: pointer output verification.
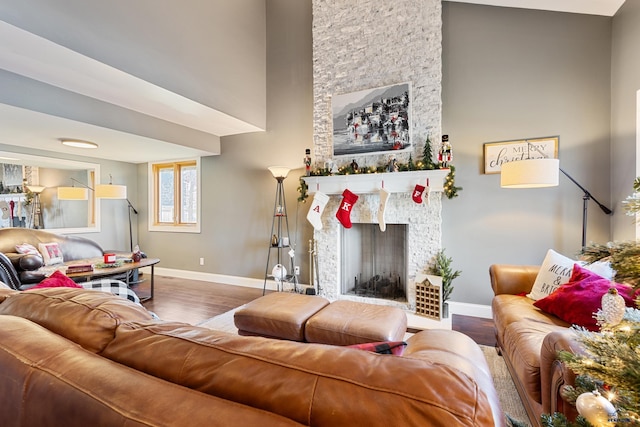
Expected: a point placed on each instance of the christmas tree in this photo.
(427, 155)
(610, 364)
(610, 360)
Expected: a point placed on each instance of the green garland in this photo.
(450, 188)
(302, 189)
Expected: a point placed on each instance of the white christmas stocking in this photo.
(427, 192)
(384, 195)
(315, 211)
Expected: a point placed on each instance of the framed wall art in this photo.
(11, 175)
(372, 121)
(498, 153)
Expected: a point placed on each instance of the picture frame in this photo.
(371, 121)
(11, 175)
(498, 153)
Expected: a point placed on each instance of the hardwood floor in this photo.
(192, 301)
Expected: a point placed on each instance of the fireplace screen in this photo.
(373, 263)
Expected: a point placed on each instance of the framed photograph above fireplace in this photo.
(372, 121)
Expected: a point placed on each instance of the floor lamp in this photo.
(278, 240)
(36, 208)
(102, 191)
(538, 173)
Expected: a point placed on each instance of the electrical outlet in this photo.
(296, 270)
(201, 261)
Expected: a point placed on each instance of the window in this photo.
(174, 194)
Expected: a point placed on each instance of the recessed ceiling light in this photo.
(78, 143)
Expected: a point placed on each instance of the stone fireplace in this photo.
(422, 225)
(383, 46)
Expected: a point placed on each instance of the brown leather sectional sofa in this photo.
(529, 340)
(76, 358)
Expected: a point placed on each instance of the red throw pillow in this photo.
(577, 300)
(384, 347)
(56, 280)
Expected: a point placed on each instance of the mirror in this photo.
(28, 193)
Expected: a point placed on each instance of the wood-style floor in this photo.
(192, 301)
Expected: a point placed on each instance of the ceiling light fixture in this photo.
(78, 143)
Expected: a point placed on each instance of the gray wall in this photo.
(510, 74)
(238, 190)
(625, 82)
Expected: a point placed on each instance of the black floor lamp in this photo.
(537, 173)
(130, 208)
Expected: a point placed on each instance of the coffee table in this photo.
(121, 267)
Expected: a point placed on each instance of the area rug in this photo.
(509, 399)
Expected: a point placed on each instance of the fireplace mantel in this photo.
(393, 182)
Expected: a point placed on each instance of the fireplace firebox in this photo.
(374, 262)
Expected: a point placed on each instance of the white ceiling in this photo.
(40, 59)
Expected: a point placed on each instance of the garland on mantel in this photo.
(426, 163)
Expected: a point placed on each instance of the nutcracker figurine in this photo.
(307, 161)
(445, 155)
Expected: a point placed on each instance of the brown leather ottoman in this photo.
(278, 315)
(347, 322)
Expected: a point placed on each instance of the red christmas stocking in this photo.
(344, 212)
(417, 193)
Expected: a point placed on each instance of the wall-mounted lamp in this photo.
(538, 173)
(78, 143)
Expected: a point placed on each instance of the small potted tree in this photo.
(442, 267)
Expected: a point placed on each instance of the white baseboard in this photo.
(462, 308)
(218, 278)
(467, 309)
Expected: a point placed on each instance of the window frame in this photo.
(175, 227)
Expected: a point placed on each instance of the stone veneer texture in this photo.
(363, 44)
(359, 45)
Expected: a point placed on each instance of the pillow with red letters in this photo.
(51, 253)
(577, 300)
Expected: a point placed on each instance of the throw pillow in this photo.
(51, 253)
(555, 271)
(384, 347)
(27, 248)
(576, 301)
(56, 280)
(601, 268)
